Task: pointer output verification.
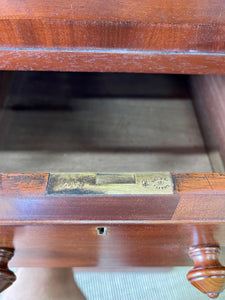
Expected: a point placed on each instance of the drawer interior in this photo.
(93, 122)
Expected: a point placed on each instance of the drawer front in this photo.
(106, 230)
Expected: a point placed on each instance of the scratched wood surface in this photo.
(142, 36)
(106, 60)
(178, 36)
(181, 11)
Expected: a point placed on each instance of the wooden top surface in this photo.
(176, 36)
(154, 11)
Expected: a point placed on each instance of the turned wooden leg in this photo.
(7, 277)
(208, 275)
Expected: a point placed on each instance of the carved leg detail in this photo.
(208, 275)
(7, 277)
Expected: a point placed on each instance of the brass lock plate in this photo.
(154, 183)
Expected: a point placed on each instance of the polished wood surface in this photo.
(7, 277)
(208, 92)
(208, 275)
(179, 11)
(136, 36)
(126, 245)
(151, 36)
(204, 92)
(120, 60)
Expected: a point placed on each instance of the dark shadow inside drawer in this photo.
(88, 122)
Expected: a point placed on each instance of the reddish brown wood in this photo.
(69, 34)
(112, 61)
(125, 245)
(86, 208)
(208, 275)
(200, 207)
(208, 91)
(174, 11)
(201, 183)
(7, 277)
(193, 32)
(23, 184)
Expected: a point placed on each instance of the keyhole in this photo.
(101, 230)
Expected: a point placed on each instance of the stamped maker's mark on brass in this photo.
(110, 183)
(161, 183)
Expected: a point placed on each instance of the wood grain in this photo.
(124, 246)
(202, 183)
(79, 209)
(23, 184)
(200, 208)
(208, 91)
(208, 275)
(174, 11)
(206, 122)
(193, 31)
(69, 34)
(112, 61)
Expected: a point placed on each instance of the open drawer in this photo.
(112, 171)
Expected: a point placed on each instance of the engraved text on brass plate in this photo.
(111, 183)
